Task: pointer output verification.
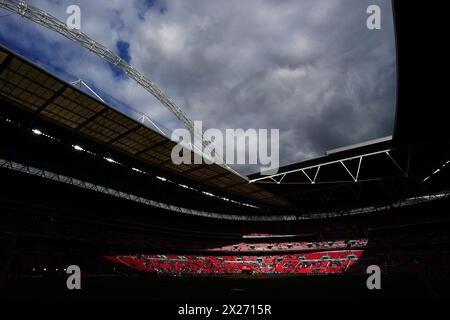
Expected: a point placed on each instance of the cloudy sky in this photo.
(310, 68)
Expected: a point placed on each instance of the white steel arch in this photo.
(50, 22)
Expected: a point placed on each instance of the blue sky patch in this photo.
(124, 50)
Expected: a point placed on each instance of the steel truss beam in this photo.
(82, 83)
(354, 177)
(7, 164)
(14, 166)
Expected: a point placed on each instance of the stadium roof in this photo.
(387, 168)
(36, 90)
(362, 174)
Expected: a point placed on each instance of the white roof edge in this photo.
(359, 145)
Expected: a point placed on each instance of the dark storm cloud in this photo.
(310, 68)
